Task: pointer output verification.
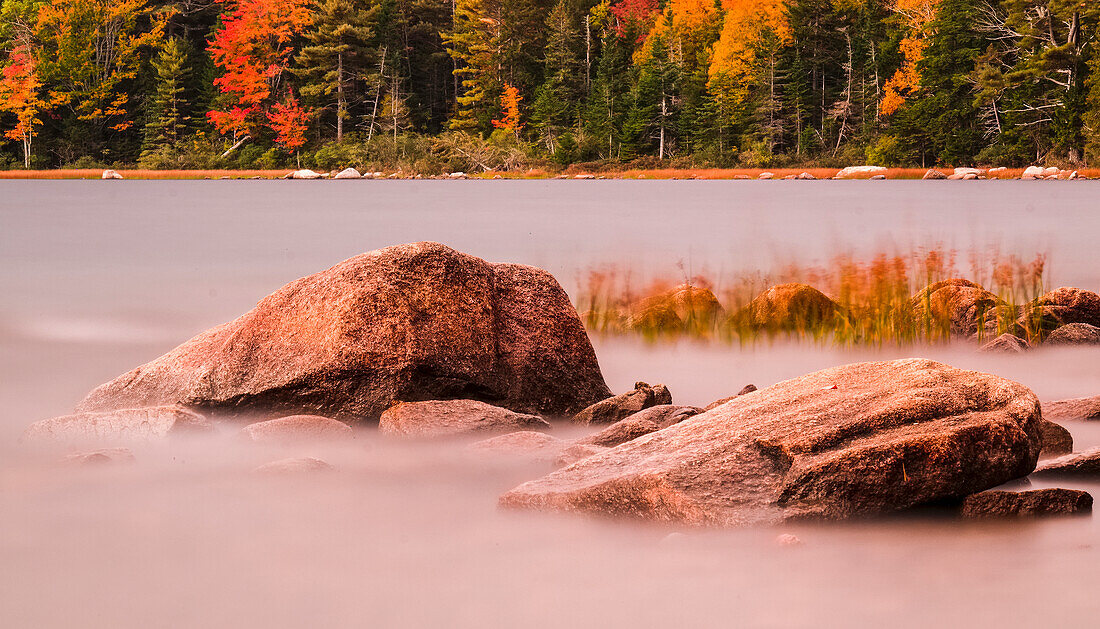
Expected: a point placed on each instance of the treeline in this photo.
(431, 85)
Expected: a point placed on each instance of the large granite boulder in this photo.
(789, 307)
(450, 418)
(955, 306)
(128, 424)
(405, 323)
(612, 409)
(860, 439)
(1063, 306)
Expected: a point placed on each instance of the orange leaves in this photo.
(684, 26)
(252, 50)
(918, 15)
(289, 121)
(509, 105)
(19, 85)
(750, 27)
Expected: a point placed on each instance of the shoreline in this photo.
(716, 174)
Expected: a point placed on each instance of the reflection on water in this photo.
(99, 279)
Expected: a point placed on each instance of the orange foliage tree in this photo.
(252, 50)
(19, 84)
(509, 104)
(289, 121)
(918, 15)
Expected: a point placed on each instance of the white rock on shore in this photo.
(854, 171)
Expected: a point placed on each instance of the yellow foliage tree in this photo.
(918, 15)
(745, 31)
(682, 27)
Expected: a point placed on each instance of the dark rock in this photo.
(1085, 463)
(748, 388)
(1064, 306)
(1076, 408)
(297, 428)
(789, 307)
(1006, 344)
(1074, 334)
(1056, 439)
(860, 439)
(1002, 504)
(446, 418)
(131, 424)
(624, 405)
(404, 323)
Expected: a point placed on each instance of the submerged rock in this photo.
(1074, 334)
(104, 456)
(404, 323)
(294, 465)
(1056, 439)
(1076, 408)
(526, 444)
(855, 440)
(578, 452)
(1006, 344)
(789, 307)
(1085, 463)
(129, 424)
(297, 428)
(447, 418)
(1001, 504)
(621, 406)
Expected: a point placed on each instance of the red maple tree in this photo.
(19, 95)
(289, 121)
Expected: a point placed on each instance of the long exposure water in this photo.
(98, 277)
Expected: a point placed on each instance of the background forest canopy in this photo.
(441, 85)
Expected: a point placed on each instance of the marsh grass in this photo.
(878, 300)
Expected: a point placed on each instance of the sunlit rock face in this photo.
(405, 323)
(860, 439)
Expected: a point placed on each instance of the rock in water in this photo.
(348, 173)
(1006, 344)
(524, 444)
(404, 323)
(297, 428)
(1085, 463)
(438, 418)
(130, 424)
(854, 440)
(295, 465)
(1076, 408)
(1074, 334)
(1066, 305)
(621, 406)
(101, 457)
(641, 423)
(683, 308)
(789, 307)
(1056, 439)
(957, 306)
(1000, 504)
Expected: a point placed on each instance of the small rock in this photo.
(111, 174)
(131, 424)
(858, 171)
(584, 176)
(1000, 504)
(1007, 344)
(1056, 440)
(621, 406)
(789, 307)
(787, 539)
(641, 423)
(877, 177)
(348, 173)
(1032, 172)
(673, 538)
(297, 428)
(766, 175)
(748, 388)
(806, 177)
(1051, 171)
(457, 175)
(527, 444)
(1085, 463)
(304, 173)
(101, 457)
(1074, 334)
(294, 465)
(1076, 408)
(934, 174)
(447, 418)
(969, 171)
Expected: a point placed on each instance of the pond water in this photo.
(98, 277)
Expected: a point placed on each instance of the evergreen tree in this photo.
(169, 110)
(554, 109)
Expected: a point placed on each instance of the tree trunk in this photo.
(341, 106)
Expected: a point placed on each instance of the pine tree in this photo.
(169, 110)
(554, 108)
(338, 53)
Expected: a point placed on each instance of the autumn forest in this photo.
(443, 85)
